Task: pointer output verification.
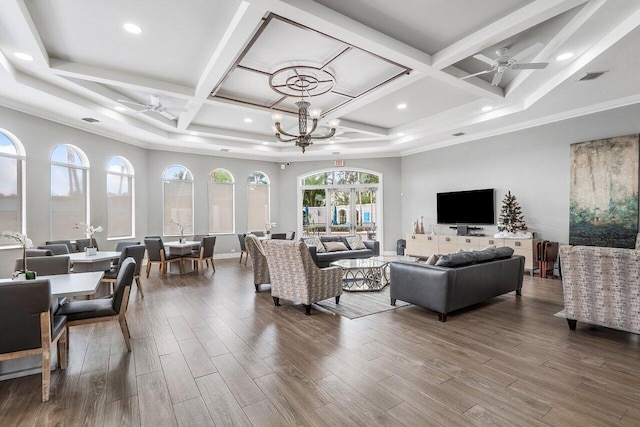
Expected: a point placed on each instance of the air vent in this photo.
(224, 150)
(335, 153)
(591, 76)
(458, 134)
(90, 120)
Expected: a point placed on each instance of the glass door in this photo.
(314, 212)
(341, 211)
(366, 212)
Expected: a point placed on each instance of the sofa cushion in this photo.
(315, 241)
(355, 242)
(484, 255)
(335, 246)
(503, 252)
(455, 260)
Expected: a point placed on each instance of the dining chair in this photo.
(28, 328)
(204, 254)
(279, 236)
(257, 233)
(119, 247)
(56, 248)
(157, 254)
(107, 309)
(67, 243)
(45, 265)
(243, 249)
(291, 235)
(37, 252)
(258, 261)
(137, 253)
(82, 244)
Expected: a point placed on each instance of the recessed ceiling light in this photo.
(265, 143)
(120, 108)
(564, 56)
(248, 120)
(132, 28)
(400, 134)
(23, 56)
(193, 132)
(487, 108)
(401, 106)
(332, 141)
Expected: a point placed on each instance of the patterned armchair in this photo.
(294, 275)
(258, 261)
(600, 286)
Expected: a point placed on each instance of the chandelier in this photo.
(296, 81)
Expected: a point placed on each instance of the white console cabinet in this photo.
(425, 245)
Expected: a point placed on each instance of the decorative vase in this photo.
(91, 251)
(181, 239)
(30, 275)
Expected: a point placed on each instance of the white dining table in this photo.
(72, 284)
(181, 248)
(101, 261)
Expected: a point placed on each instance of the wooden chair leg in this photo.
(125, 331)
(46, 374)
(213, 265)
(181, 267)
(139, 286)
(62, 350)
(241, 253)
(201, 264)
(148, 268)
(246, 258)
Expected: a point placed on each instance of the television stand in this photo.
(463, 230)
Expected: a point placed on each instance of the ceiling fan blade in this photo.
(475, 74)
(483, 58)
(528, 51)
(124, 101)
(177, 109)
(497, 78)
(530, 66)
(144, 110)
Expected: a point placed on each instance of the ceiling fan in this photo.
(154, 106)
(504, 62)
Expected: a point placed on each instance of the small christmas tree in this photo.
(511, 218)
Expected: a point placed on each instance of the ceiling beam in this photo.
(16, 20)
(512, 24)
(238, 33)
(119, 79)
(563, 35)
(363, 128)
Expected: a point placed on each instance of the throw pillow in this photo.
(432, 259)
(315, 241)
(484, 255)
(335, 246)
(460, 250)
(355, 242)
(455, 260)
(503, 252)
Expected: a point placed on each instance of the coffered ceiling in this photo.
(396, 73)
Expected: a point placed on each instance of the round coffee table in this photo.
(366, 274)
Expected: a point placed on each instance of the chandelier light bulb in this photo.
(315, 113)
(334, 123)
(277, 117)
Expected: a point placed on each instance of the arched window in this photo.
(220, 190)
(258, 209)
(177, 194)
(69, 192)
(120, 201)
(12, 211)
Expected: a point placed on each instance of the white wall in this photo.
(533, 164)
(39, 136)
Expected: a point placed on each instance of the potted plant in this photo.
(90, 231)
(25, 242)
(181, 227)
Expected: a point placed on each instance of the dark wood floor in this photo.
(208, 351)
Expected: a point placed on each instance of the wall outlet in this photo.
(233, 250)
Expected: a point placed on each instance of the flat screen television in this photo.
(475, 207)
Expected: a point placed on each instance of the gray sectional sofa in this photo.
(324, 259)
(472, 280)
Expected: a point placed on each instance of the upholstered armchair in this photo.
(600, 286)
(258, 261)
(294, 275)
